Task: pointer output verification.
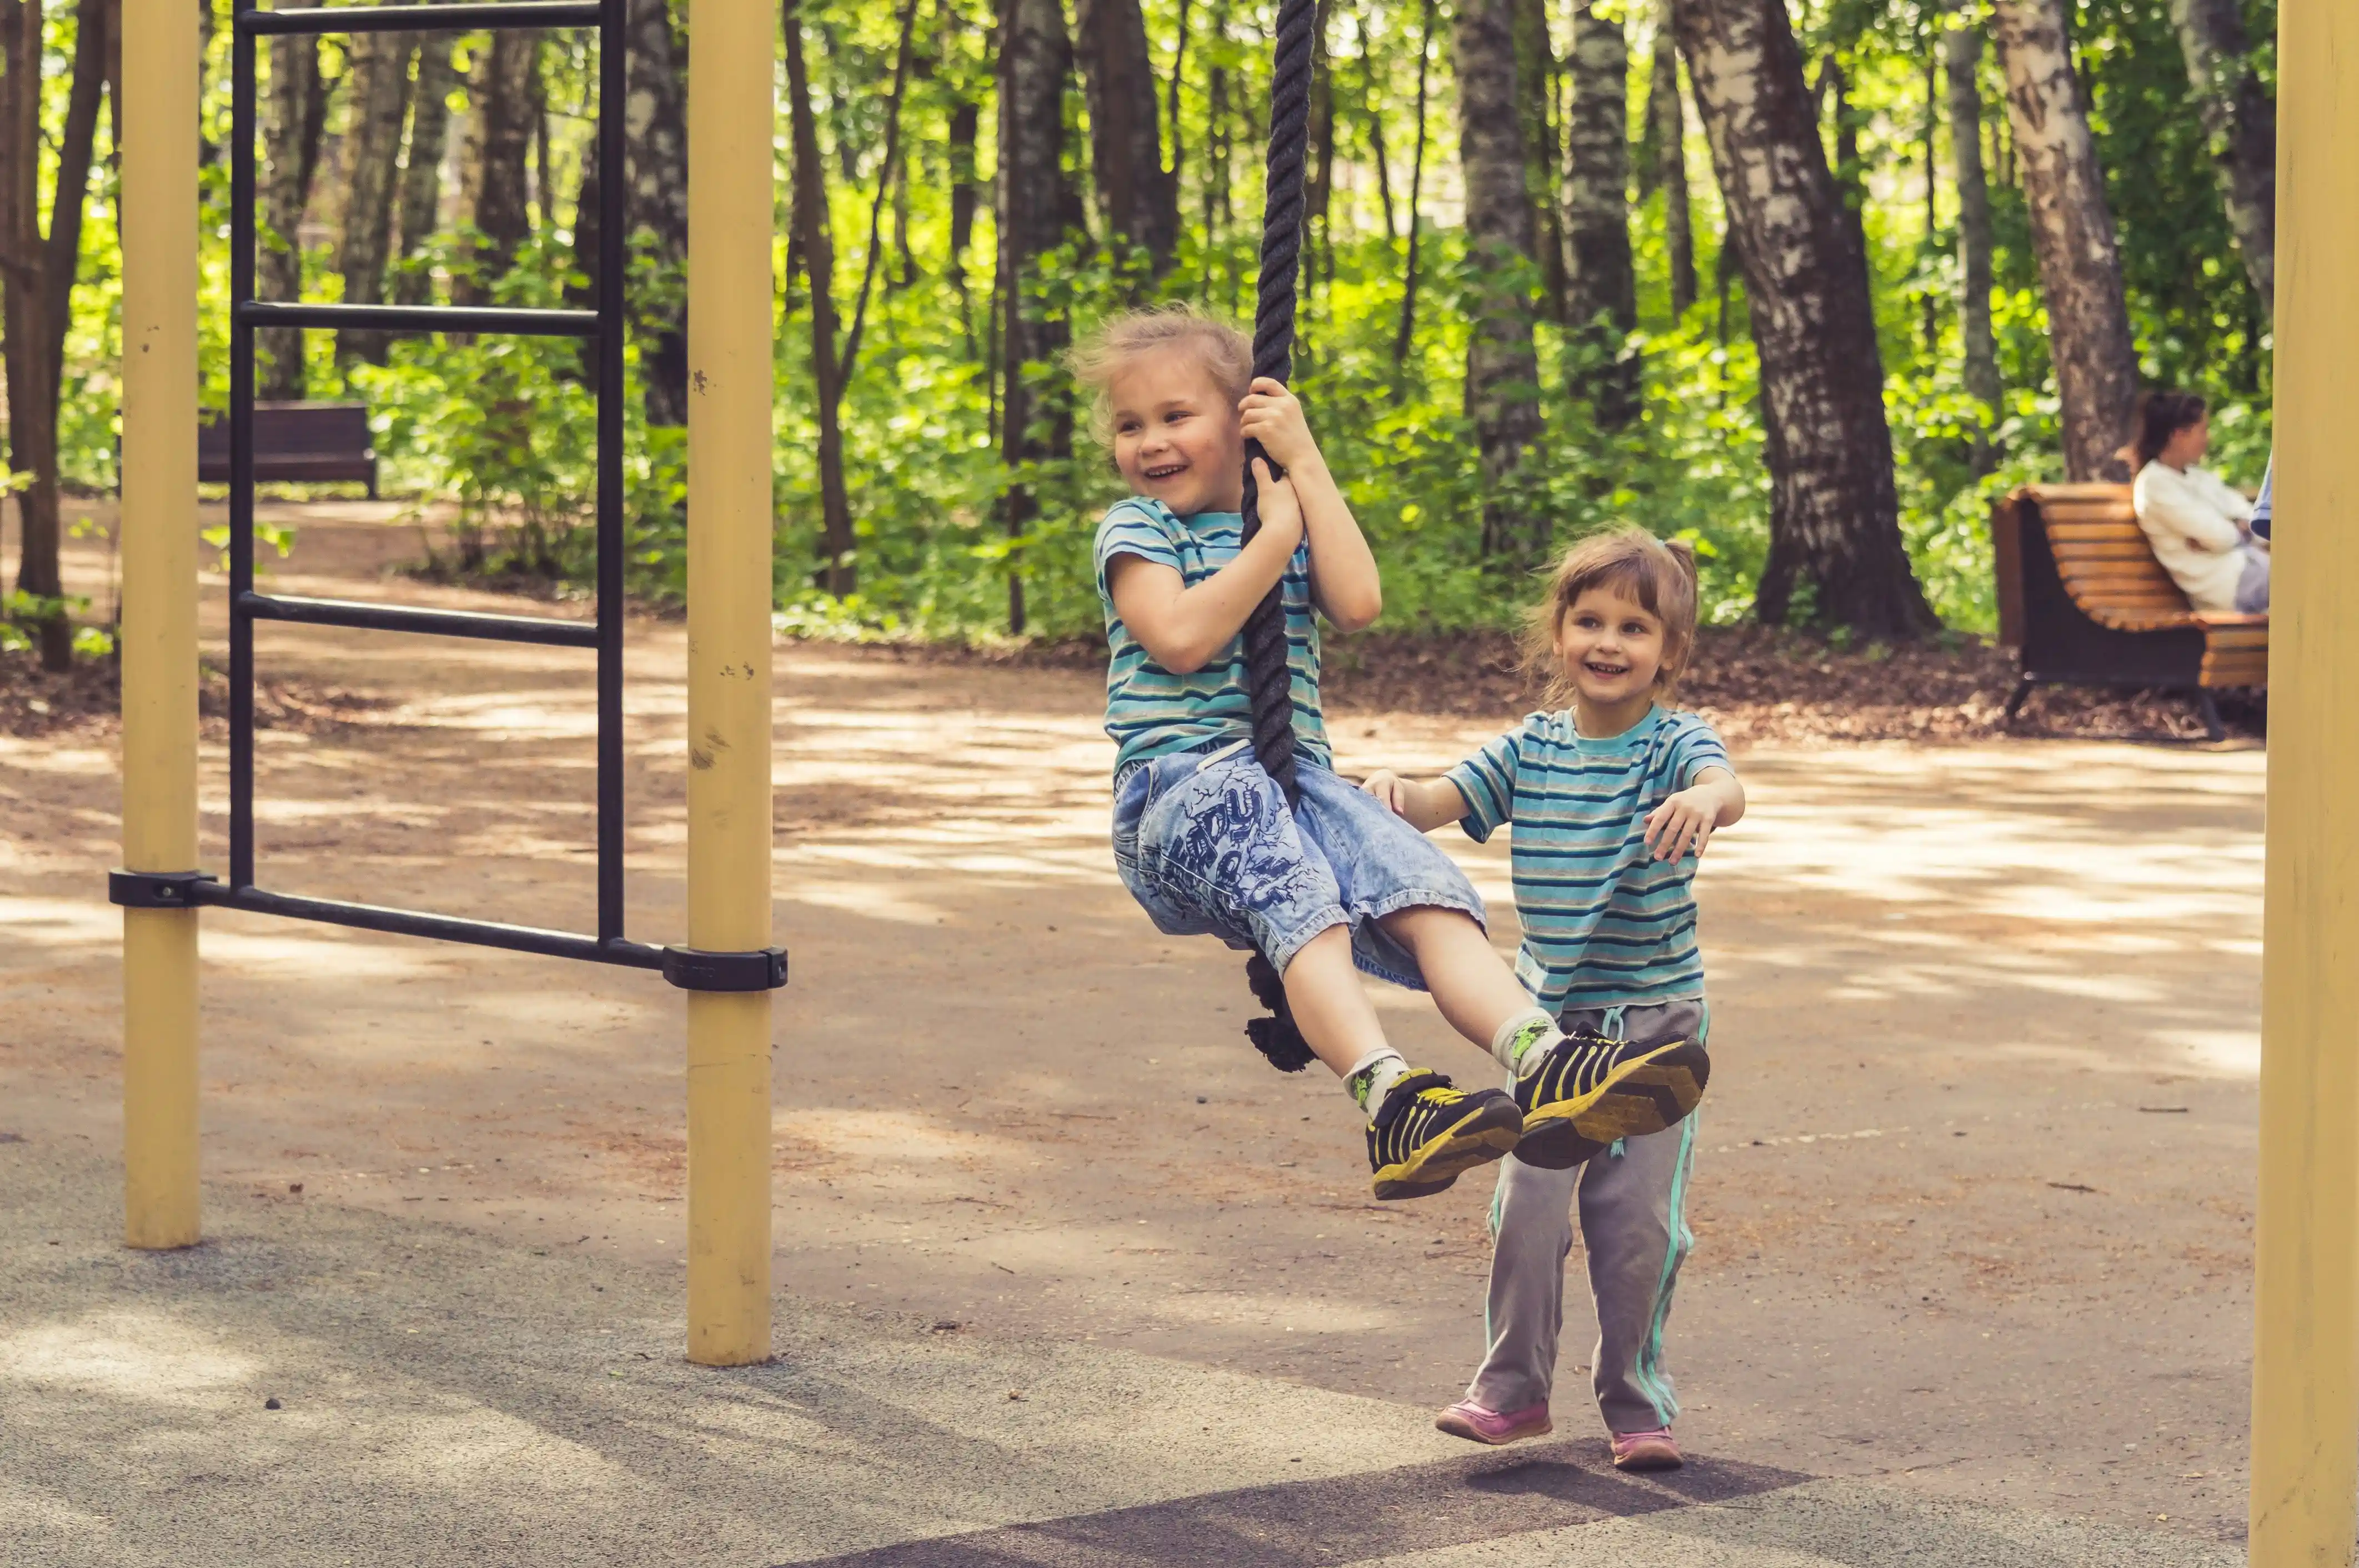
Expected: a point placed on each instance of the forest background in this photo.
(1808, 286)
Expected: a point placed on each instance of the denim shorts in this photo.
(1205, 844)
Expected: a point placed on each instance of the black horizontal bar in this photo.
(405, 618)
(442, 928)
(420, 18)
(421, 318)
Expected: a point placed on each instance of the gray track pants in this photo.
(1634, 1229)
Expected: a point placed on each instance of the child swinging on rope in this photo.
(1204, 838)
(1611, 802)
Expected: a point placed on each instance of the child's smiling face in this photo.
(1175, 434)
(1611, 647)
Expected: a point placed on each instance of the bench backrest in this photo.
(294, 435)
(2101, 556)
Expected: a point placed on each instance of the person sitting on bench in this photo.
(2200, 528)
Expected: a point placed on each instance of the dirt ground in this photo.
(1973, 1202)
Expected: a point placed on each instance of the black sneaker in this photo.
(1427, 1133)
(1586, 1091)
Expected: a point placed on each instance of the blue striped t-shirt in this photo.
(1150, 712)
(1605, 924)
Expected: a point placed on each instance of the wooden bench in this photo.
(2084, 601)
(295, 442)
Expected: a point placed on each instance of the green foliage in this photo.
(503, 429)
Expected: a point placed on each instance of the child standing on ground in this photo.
(1203, 837)
(1610, 803)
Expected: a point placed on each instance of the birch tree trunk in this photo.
(1036, 61)
(2240, 117)
(1667, 129)
(499, 190)
(1833, 514)
(2073, 235)
(36, 280)
(420, 199)
(1600, 284)
(372, 143)
(1502, 364)
(1962, 52)
(1137, 199)
(291, 140)
(655, 131)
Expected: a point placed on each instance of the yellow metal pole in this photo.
(159, 615)
(2306, 1297)
(729, 113)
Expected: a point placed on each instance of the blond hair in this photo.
(1661, 577)
(1223, 353)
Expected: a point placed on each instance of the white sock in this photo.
(1372, 1077)
(1518, 1037)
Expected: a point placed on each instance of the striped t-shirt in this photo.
(1150, 712)
(1605, 924)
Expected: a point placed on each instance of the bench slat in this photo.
(2100, 559)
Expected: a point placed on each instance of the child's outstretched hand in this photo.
(1273, 416)
(1683, 823)
(1280, 509)
(1390, 787)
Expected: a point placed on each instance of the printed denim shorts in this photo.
(1205, 844)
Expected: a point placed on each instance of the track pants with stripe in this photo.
(1633, 1215)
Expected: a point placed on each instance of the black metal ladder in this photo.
(604, 328)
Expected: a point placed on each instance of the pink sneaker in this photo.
(1476, 1424)
(1646, 1449)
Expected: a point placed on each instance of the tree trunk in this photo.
(655, 130)
(2072, 233)
(1667, 128)
(1137, 199)
(36, 279)
(2240, 117)
(499, 193)
(1601, 286)
(1372, 114)
(1834, 528)
(1502, 364)
(291, 137)
(420, 201)
(1962, 51)
(1403, 338)
(1850, 170)
(839, 573)
(373, 141)
(1319, 179)
(1535, 76)
(965, 126)
(1036, 61)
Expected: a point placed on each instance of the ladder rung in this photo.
(365, 616)
(445, 928)
(421, 318)
(421, 18)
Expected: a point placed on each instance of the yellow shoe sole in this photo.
(1643, 1095)
(1488, 1133)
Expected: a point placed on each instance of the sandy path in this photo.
(1975, 1202)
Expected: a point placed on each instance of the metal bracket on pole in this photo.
(155, 890)
(693, 969)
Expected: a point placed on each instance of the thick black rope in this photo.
(1268, 677)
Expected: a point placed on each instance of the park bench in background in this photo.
(295, 442)
(2084, 601)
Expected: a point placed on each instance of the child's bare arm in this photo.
(1182, 628)
(1345, 582)
(1425, 804)
(1688, 819)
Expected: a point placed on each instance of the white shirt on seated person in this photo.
(2196, 523)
